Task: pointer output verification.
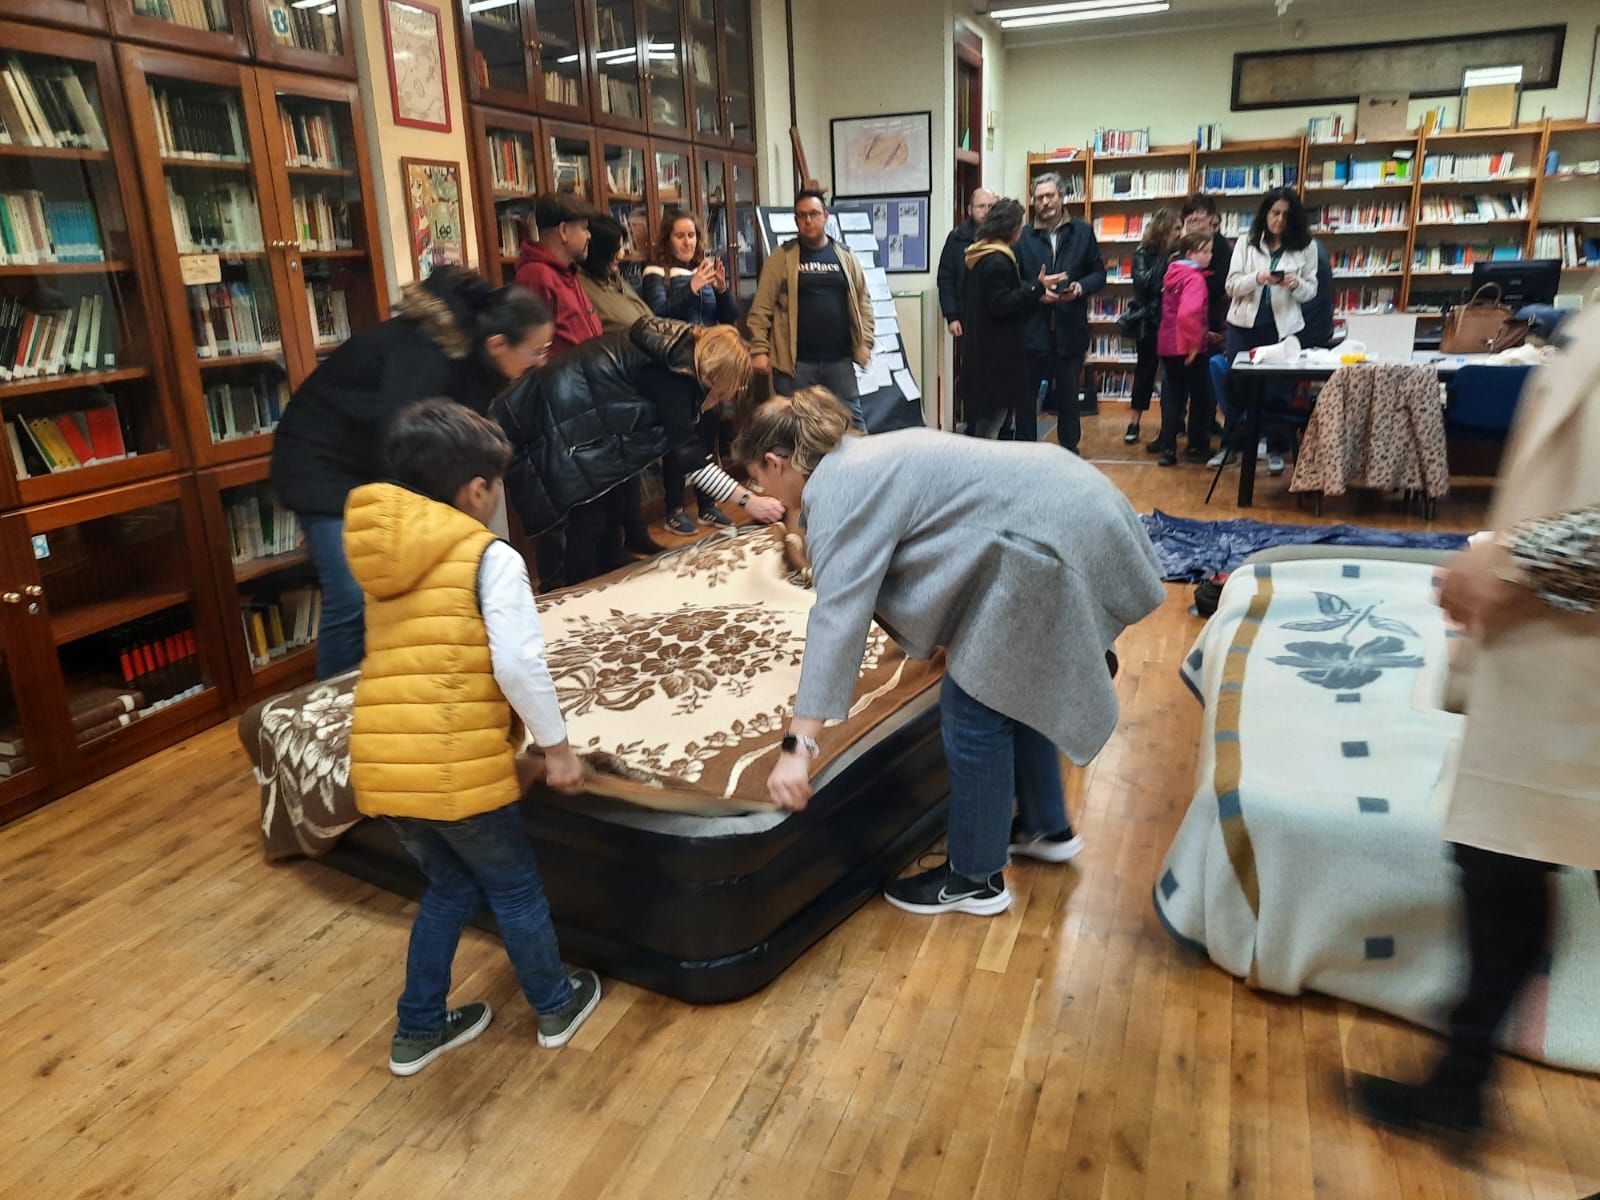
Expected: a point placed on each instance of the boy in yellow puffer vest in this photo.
(453, 648)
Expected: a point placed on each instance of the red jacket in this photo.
(1185, 304)
(556, 283)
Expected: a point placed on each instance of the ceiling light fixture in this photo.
(478, 6)
(1043, 10)
(1095, 13)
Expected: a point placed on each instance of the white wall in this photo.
(1055, 95)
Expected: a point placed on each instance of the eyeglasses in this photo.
(541, 355)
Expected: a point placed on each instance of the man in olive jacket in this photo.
(811, 321)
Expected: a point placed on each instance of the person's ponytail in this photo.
(803, 428)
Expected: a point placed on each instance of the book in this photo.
(11, 743)
(105, 432)
(13, 765)
(98, 704)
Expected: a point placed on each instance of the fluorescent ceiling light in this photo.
(1041, 10)
(307, 3)
(1089, 14)
(486, 5)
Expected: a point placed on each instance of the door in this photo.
(304, 37)
(561, 80)
(665, 80)
(705, 71)
(738, 74)
(33, 749)
(617, 71)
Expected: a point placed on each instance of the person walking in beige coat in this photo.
(1526, 796)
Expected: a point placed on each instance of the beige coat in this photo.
(774, 317)
(1529, 776)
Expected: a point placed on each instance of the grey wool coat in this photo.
(1020, 559)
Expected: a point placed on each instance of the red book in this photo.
(105, 432)
(80, 444)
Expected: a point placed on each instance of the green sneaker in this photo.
(556, 1029)
(408, 1055)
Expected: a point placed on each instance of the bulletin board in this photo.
(899, 226)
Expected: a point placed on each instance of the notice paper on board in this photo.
(850, 222)
(907, 385)
(878, 283)
(883, 308)
(783, 222)
(861, 243)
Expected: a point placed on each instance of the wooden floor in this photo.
(181, 1019)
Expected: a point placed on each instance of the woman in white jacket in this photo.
(1274, 272)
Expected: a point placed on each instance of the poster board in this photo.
(899, 232)
(890, 395)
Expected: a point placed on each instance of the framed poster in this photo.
(896, 227)
(882, 156)
(434, 219)
(414, 39)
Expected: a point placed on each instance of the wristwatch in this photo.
(744, 500)
(795, 742)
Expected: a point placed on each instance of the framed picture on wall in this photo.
(413, 35)
(882, 156)
(435, 223)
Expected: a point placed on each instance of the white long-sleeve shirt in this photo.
(516, 643)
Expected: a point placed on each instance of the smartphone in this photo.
(1277, 276)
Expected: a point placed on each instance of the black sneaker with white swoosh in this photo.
(941, 890)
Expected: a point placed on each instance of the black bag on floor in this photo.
(1206, 594)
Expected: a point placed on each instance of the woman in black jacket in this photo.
(684, 283)
(995, 304)
(601, 413)
(1142, 321)
(453, 335)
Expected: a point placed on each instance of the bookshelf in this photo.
(509, 172)
(88, 16)
(569, 159)
(702, 49)
(624, 189)
(302, 37)
(617, 77)
(530, 55)
(672, 180)
(666, 81)
(215, 27)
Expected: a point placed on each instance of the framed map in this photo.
(435, 225)
(414, 38)
(882, 156)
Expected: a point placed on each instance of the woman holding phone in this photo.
(1274, 272)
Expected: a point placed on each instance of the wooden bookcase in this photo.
(225, 32)
(86, 15)
(509, 170)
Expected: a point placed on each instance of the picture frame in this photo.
(435, 214)
(886, 155)
(419, 87)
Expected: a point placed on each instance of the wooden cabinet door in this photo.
(665, 72)
(304, 37)
(508, 172)
(497, 47)
(560, 58)
(617, 78)
(87, 15)
(34, 748)
(702, 47)
(216, 27)
(738, 74)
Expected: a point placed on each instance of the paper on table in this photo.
(907, 385)
(861, 242)
(784, 223)
(910, 222)
(894, 362)
(853, 222)
(884, 326)
(885, 343)
(878, 283)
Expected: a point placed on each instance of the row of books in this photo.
(1103, 307)
(43, 446)
(1371, 217)
(273, 630)
(1454, 256)
(259, 525)
(1121, 141)
(330, 314)
(1137, 185)
(1121, 227)
(321, 221)
(234, 318)
(702, 60)
(620, 97)
(44, 102)
(1118, 385)
(1469, 166)
(245, 408)
(37, 342)
(311, 136)
(571, 173)
(1234, 224)
(1574, 246)
(1506, 206)
(95, 711)
(197, 122)
(626, 177)
(561, 89)
(1208, 137)
(36, 230)
(1363, 300)
(1252, 179)
(220, 218)
(306, 26)
(1119, 270)
(1367, 260)
(510, 227)
(1113, 345)
(511, 164)
(610, 32)
(1325, 129)
(1353, 172)
(156, 656)
(195, 14)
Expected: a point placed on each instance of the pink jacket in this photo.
(1184, 313)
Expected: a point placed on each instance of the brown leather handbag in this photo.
(1471, 328)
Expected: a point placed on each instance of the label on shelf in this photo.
(200, 268)
(41, 546)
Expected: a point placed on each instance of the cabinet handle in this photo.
(33, 589)
(12, 598)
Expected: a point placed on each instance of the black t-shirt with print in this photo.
(824, 314)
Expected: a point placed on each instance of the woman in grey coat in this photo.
(1023, 564)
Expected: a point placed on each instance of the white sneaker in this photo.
(1261, 449)
(1217, 459)
(1057, 848)
(1274, 464)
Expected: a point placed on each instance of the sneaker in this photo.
(408, 1055)
(1167, 456)
(1130, 435)
(556, 1029)
(1217, 459)
(941, 890)
(1046, 847)
(1413, 1106)
(682, 524)
(1154, 446)
(1197, 453)
(1274, 464)
(1261, 449)
(714, 516)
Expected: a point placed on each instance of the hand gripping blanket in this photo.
(676, 676)
(1311, 855)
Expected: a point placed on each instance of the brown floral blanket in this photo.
(677, 677)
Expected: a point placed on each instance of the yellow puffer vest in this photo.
(433, 734)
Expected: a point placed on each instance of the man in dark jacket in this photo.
(1318, 311)
(1057, 336)
(953, 275)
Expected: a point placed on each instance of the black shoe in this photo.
(1131, 434)
(1412, 1106)
(1154, 445)
(941, 890)
(1197, 452)
(1215, 429)
(643, 544)
(714, 516)
(682, 524)
(556, 1029)
(408, 1055)
(1167, 457)
(1046, 847)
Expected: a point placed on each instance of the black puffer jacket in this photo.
(599, 415)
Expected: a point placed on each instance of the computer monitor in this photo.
(1522, 280)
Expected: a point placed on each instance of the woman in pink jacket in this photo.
(1181, 343)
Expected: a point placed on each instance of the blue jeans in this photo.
(838, 376)
(342, 636)
(486, 857)
(992, 759)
